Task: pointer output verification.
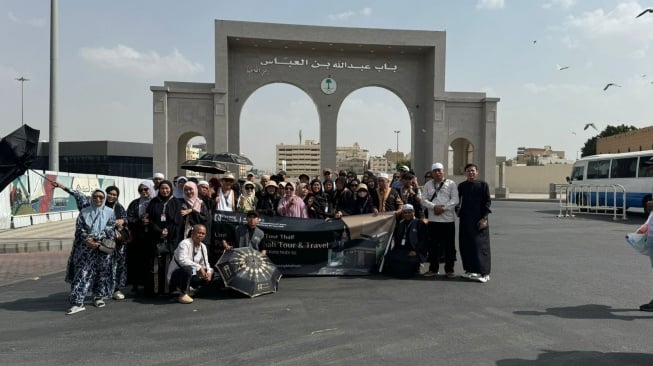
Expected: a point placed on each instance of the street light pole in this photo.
(22, 110)
(397, 133)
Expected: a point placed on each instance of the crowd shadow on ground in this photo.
(56, 302)
(589, 311)
(576, 358)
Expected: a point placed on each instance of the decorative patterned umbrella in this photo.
(248, 271)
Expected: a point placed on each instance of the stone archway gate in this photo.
(328, 64)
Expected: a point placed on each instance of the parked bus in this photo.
(629, 170)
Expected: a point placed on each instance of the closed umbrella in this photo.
(248, 271)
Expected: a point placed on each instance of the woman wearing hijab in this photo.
(247, 200)
(165, 223)
(319, 196)
(89, 269)
(140, 251)
(193, 211)
(363, 203)
(119, 271)
(291, 205)
(178, 191)
(268, 200)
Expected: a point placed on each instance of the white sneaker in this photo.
(470, 275)
(99, 303)
(481, 279)
(117, 295)
(75, 309)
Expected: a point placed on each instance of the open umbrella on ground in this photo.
(17, 152)
(248, 271)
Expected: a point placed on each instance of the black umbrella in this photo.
(248, 271)
(17, 152)
(204, 166)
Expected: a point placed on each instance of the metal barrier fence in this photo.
(597, 199)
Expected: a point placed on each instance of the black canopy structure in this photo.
(17, 152)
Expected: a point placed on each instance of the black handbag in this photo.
(162, 247)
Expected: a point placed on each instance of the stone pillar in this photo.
(501, 191)
(160, 130)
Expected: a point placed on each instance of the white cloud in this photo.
(144, 64)
(7, 72)
(490, 4)
(34, 22)
(366, 12)
(557, 88)
(565, 4)
(617, 30)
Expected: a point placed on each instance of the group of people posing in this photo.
(173, 234)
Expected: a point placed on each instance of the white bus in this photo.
(627, 169)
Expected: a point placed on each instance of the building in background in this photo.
(379, 164)
(297, 159)
(194, 152)
(539, 156)
(638, 140)
(117, 158)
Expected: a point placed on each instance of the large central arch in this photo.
(328, 64)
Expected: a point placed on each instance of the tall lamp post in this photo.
(22, 110)
(397, 133)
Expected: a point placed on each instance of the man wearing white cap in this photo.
(157, 178)
(406, 251)
(386, 199)
(440, 197)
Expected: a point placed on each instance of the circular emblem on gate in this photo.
(328, 85)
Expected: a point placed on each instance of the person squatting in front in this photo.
(189, 268)
(406, 253)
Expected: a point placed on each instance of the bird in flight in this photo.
(590, 125)
(560, 68)
(573, 133)
(609, 85)
(534, 41)
(649, 10)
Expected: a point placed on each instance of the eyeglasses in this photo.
(143, 189)
(249, 188)
(98, 196)
(288, 188)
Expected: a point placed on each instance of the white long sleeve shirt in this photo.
(447, 195)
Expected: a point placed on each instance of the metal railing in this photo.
(597, 199)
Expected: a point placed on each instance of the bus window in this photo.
(624, 168)
(577, 173)
(598, 169)
(643, 167)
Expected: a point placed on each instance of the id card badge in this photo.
(163, 217)
(403, 242)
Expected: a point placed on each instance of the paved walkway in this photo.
(564, 292)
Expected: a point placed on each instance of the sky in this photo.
(111, 52)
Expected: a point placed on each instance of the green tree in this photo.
(402, 162)
(590, 145)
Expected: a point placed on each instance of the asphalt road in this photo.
(563, 292)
